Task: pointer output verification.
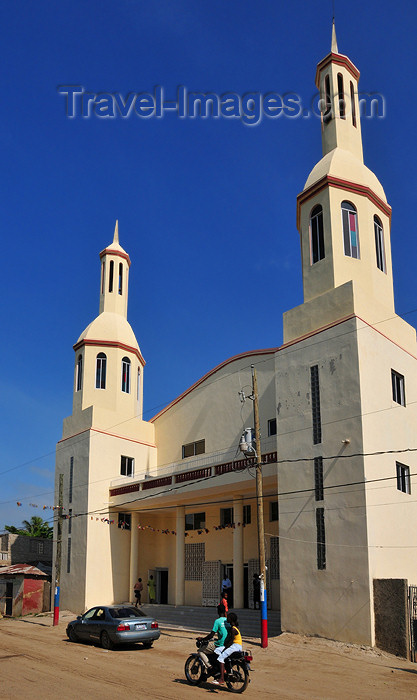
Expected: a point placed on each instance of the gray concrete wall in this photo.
(391, 616)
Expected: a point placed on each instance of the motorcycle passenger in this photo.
(210, 645)
(233, 643)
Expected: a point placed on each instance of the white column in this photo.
(180, 557)
(238, 580)
(134, 554)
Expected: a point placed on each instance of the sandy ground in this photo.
(37, 661)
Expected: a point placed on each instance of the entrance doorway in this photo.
(9, 598)
(162, 586)
(245, 586)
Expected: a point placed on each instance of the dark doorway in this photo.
(245, 586)
(9, 598)
(162, 581)
(228, 573)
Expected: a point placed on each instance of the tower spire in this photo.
(116, 232)
(334, 48)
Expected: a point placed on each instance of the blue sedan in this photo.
(114, 624)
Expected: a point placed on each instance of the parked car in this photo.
(114, 624)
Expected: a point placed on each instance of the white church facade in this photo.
(338, 406)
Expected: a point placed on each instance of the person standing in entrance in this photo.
(137, 589)
(151, 589)
(226, 585)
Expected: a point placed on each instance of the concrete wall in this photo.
(392, 616)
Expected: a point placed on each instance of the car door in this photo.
(86, 624)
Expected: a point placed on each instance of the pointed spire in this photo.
(334, 48)
(116, 232)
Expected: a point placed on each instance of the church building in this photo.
(174, 498)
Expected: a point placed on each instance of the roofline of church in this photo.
(271, 351)
(331, 181)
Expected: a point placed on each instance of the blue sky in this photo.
(206, 207)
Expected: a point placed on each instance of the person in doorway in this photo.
(256, 591)
(224, 602)
(232, 643)
(210, 644)
(137, 589)
(151, 589)
(226, 585)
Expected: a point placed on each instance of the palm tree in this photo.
(35, 527)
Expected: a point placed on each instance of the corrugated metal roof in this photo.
(21, 569)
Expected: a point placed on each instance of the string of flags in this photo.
(35, 505)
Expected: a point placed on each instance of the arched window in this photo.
(379, 244)
(101, 363)
(327, 114)
(126, 375)
(316, 235)
(138, 389)
(111, 275)
(120, 278)
(341, 95)
(353, 105)
(79, 381)
(350, 230)
(103, 273)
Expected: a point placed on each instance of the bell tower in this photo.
(343, 217)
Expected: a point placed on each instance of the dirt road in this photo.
(38, 662)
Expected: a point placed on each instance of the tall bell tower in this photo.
(343, 218)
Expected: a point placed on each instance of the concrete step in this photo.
(201, 619)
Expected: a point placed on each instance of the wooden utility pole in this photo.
(260, 511)
(58, 549)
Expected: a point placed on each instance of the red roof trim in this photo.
(110, 344)
(337, 182)
(340, 60)
(106, 432)
(118, 253)
(267, 351)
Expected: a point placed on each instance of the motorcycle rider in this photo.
(219, 629)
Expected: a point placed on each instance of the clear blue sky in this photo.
(206, 208)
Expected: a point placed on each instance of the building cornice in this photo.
(340, 60)
(348, 186)
(110, 344)
(117, 253)
(106, 432)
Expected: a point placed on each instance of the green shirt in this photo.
(220, 629)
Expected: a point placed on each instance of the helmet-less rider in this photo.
(219, 630)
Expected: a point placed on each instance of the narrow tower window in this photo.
(138, 390)
(103, 274)
(353, 105)
(321, 539)
(120, 278)
(327, 114)
(316, 235)
(341, 93)
(126, 375)
(318, 478)
(111, 275)
(101, 363)
(350, 230)
(315, 404)
(79, 373)
(379, 244)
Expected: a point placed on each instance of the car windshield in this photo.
(119, 613)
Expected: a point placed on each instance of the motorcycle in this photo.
(236, 669)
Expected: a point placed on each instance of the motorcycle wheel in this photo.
(194, 670)
(237, 678)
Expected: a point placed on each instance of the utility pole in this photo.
(260, 512)
(58, 549)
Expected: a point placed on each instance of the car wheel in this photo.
(105, 641)
(72, 636)
(147, 645)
